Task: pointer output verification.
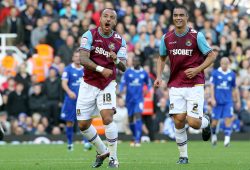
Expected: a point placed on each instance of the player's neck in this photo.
(77, 65)
(180, 31)
(105, 34)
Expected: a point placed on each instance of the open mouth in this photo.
(107, 25)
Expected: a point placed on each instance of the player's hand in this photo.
(213, 102)
(191, 72)
(237, 105)
(113, 55)
(107, 73)
(157, 83)
(72, 95)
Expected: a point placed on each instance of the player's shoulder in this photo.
(193, 31)
(93, 30)
(169, 34)
(118, 37)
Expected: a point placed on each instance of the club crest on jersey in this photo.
(188, 43)
(112, 46)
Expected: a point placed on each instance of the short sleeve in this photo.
(203, 44)
(65, 74)
(86, 41)
(122, 52)
(163, 48)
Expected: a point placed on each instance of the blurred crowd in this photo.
(49, 32)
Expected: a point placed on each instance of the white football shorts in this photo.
(91, 100)
(188, 100)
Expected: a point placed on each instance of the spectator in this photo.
(38, 101)
(17, 102)
(13, 24)
(53, 91)
(66, 51)
(39, 33)
(23, 77)
(29, 19)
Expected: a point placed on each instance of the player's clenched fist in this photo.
(107, 72)
(158, 82)
(113, 55)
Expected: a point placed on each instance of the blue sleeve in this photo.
(203, 44)
(86, 41)
(123, 83)
(212, 78)
(163, 48)
(122, 52)
(234, 80)
(65, 75)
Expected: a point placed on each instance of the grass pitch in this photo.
(150, 156)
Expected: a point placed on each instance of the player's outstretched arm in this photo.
(160, 66)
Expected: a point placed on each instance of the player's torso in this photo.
(135, 80)
(183, 53)
(101, 47)
(75, 78)
(100, 54)
(223, 87)
(223, 81)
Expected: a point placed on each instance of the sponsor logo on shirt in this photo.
(181, 52)
(100, 50)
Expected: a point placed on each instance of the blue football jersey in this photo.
(224, 83)
(134, 80)
(74, 76)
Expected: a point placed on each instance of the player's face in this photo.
(76, 58)
(136, 62)
(224, 63)
(108, 21)
(180, 18)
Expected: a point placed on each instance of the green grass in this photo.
(150, 156)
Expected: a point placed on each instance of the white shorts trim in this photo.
(188, 100)
(91, 100)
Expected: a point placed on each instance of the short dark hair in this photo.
(181, 7)
(109, 9)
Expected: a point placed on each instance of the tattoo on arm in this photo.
(85, 60)
(121, 65)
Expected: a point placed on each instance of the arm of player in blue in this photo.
(163, 48)
(203, 44)
(123, 83)
(122, 52)
(65, 75)
(86, 41)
